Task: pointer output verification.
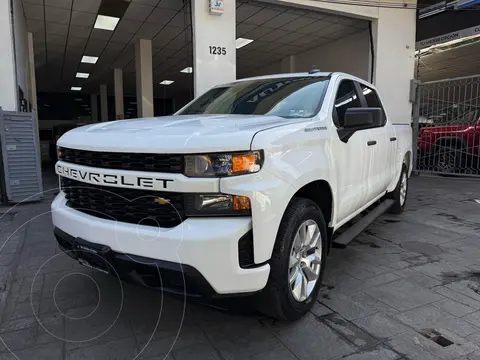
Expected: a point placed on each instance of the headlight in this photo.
(216, 205)
(222, 164)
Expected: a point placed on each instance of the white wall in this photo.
(21, 47)
(14, 68)
(211, 69)
(350, 54)
(8, 88)
(394, 42)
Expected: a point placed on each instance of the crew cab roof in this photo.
(306, 74)
(286, 75)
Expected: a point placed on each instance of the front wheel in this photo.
(448, 160)
(297, 262)
(399, 195)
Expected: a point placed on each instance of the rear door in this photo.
(352, 156)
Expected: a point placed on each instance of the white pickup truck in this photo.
(240, 192)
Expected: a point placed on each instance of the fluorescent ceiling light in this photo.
(82, 75)
(167, 82)
(89, 59)
(76, 88)
(106, 22)
(241, 42)
(187, 70)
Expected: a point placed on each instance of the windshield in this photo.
(296, 97)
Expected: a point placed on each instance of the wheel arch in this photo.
(407, 160)
(320, 192)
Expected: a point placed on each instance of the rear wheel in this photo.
(400, 193)
(297, 262)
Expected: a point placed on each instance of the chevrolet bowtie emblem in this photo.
(161, 201)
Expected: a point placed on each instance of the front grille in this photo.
(125, 205)
(168, 163)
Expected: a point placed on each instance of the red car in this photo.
(450, 149)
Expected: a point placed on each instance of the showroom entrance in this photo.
(274, 38)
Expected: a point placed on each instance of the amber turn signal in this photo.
(245, 163)
(241, 203)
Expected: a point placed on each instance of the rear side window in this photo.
(372, 99)
(346, 98)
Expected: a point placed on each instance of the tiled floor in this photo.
(405, 276)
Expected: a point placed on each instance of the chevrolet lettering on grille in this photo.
(110, 179)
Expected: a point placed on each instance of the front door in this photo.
(352, 156)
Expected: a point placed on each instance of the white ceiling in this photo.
(63, 32)
(460, 61)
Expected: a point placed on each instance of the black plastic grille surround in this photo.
(245, 250)
(167, 163)
(132, 206)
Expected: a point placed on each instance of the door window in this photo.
(372, 99)
(346, 98)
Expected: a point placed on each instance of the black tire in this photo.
(398, 207)
(276, 299)
(448, 160)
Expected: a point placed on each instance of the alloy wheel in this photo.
(305, 260)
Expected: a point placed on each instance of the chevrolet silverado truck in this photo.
(241, 192)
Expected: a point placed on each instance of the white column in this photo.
(214, 51)
(394, 62)
(118, 83)
(288, 64)
(8, 82)
(94, 107)
(144, 75)
(31, 75)
(103, 103)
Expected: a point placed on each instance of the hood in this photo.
(172, 134)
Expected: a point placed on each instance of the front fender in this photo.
(293, 159)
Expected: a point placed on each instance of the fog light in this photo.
(216, 205)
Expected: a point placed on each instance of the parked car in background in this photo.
(451, 148)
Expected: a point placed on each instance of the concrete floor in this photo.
(408, 275)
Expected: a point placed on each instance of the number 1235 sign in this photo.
(217, 50)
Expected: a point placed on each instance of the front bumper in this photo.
(207, 248)
(169, 277)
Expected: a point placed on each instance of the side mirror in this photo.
(358, 118)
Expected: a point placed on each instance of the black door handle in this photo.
(371, 142)
(393, 139)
